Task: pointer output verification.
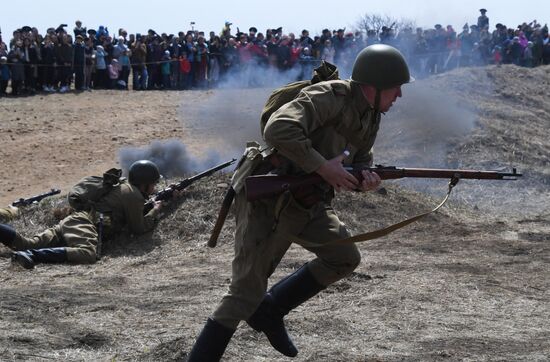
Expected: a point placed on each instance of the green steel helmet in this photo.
(381, 66)
(143, 172)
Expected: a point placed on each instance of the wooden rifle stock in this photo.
(224, 210)
(267, 186)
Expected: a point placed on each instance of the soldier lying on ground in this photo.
(75, 238)
(8, 213)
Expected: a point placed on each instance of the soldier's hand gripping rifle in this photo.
(168, 192)
(265, 186)
(36, 198)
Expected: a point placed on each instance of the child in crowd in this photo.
(165, 69)
(497, 55)
(101, 68)
(185, 70)
(4, 76)
(114, 73)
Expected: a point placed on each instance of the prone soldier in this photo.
(75, 238)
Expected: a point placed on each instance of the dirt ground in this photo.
(469, 283)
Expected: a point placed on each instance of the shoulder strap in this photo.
(376, 233)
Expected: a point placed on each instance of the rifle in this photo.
(267, 186)
(36, 198)
(168, 192)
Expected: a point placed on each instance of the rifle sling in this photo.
(377, 233)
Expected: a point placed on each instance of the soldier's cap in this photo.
(151, 31)
(438, 26)
(483, 10)
(279, 29)
(92, 32)
(499, 25)
(340, 30)
(227, 23)
(252, 30)
(26, 29)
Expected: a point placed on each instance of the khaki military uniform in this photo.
(8, 213)
(323, 121)
(122, 207)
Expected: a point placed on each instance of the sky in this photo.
(171, 16)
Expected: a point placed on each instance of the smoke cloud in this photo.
(422, 126)
(171, 157)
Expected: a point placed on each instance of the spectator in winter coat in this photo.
(114, 72)
(17, 68)
(101, 80)
(47, 74)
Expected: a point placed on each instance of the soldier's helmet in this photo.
(381, 66)
(143, 172)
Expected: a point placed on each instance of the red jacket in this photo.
(185, 66)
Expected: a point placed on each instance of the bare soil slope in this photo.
(470, 282)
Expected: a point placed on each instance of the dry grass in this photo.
(467, 283)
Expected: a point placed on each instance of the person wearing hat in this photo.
(75, 238)
(165, 69)
(302, 133)
(466, 45)
(252, 31)
(482, 20)
(121, 53)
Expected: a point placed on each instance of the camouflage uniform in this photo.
(323, 121)
(122, 207)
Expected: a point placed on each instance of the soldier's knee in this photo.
(81, 255)
(351, 263)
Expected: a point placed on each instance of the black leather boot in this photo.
(7, 235)
(211, 343)
(28, 258)
(284, 296)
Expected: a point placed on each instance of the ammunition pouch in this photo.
(253, 162)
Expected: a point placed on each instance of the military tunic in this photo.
(8, 213)
(122, 207)
(324, 120)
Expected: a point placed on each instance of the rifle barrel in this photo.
(265, 186)
(167, 192)
(388, 173)
(36, 198)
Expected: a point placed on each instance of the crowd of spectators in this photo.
(97, 59)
